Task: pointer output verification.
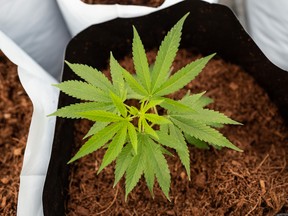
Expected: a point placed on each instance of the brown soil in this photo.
(15, 117)
(150, 3)
(223, 182)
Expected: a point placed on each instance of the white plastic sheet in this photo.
(38, 28)
(37, 83)
(79, 15)
(268, 25)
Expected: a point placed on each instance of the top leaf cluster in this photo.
(138, 138)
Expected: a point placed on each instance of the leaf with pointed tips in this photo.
(132, 94)
(134, 84)
(84, 91)
(97, 141)
(133, 173)
(122, 162)
(182, 77)
(117, 76)
(196, 101)
(92, 76)
(133, 110)
(176, 141)
(166, 152)
(156, 119)
(133, 136)
(149, 172)
(101, 115)
(191, 99)
(196, 142)
(175, 106)
(166, 54)
(204, 101)
(117, 101)
(96, 127)
(203, 132)
(209, 117)
(152, 103)
(140, 61)
(72, 111)
(182, 148)
(114, 147)
(160, 166)
(148, 129)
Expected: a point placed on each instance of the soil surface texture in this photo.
(223, 182)
(15, 117)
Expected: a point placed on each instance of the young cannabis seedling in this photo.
(139, 137)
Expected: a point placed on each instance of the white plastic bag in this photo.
(268, 25)
(38, 28)
(37, 84)
(79, 15)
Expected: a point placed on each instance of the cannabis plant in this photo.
(138, 137)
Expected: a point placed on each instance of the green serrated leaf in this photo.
(165, 151)
(122, 162)
(197, 101)
(164, 129)
(135, 85)
(217, 125)
(92, 76)
(209, 117)
(117, 101)
(149, 130)
(182, 148)
(117, 76)
(175, 106)
(132, 94)
(203, 101)
(72, 111)
(203, 132)
(96, 127)
(133, 136)
(152, 103)
(149, 171)
(133, 110)
(196, 142)
(182, 77)
(160, 166)
(149, 177)
(190, 99)
(156, 119)
(166, 54)
(133, 173)
(84, 91)
(176, 141)
(101, 115)
(140, 61)
(114, 147)
(97, 141)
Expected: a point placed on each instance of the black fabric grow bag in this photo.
(209, 28)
